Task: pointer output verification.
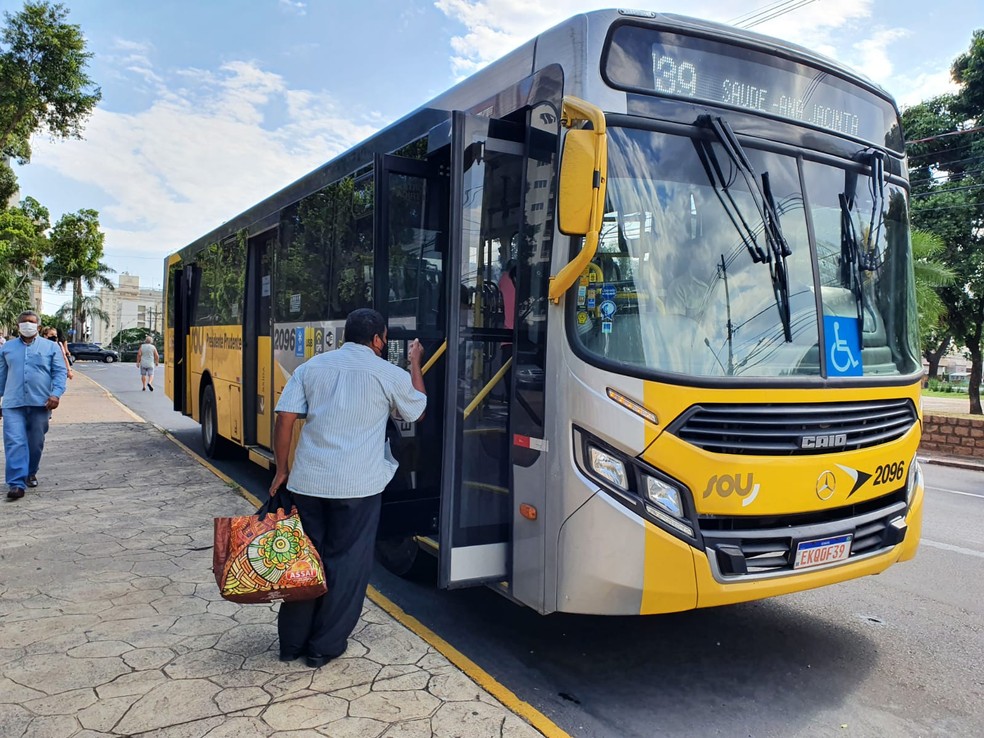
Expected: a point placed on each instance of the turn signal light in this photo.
(632, 406)
(527, 511)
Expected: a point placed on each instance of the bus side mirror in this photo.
(576, 190)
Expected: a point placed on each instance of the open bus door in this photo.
(181, 293)
(411, 230)
(488, 174)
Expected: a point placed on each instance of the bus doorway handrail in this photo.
(487, 388)
(433, 359)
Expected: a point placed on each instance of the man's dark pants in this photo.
(344, 533)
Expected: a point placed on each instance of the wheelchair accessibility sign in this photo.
(842, 337)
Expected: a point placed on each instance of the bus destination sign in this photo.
(718, 73)
(676, 77)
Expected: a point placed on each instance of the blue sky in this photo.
(210, 105)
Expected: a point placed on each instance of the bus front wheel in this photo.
(215, 445)
(403, 556)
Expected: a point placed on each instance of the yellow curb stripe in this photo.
(475, 672)
(485, 680)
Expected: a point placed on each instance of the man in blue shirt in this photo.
(341, 465)
(32, 379)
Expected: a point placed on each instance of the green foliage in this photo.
(947, 175)
(137, 335)
(76, 250)
(968, 71)
(55, 322)
(44, 86)
(23, 246)
(8, 183)
(930, 273)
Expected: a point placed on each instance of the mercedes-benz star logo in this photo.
(826, 485)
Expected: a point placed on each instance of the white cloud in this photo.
(913, 89)
(201, 153)
(293, 6)
(495, 27)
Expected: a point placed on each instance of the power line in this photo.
(944, 190)
(946, 135)
(947, 151)
(768, 12)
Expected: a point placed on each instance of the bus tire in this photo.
(216, 447)
(403, 556)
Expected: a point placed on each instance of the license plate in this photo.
(822, 551)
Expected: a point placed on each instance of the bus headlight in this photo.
(608, 467)
(914, 481)
(664, 495)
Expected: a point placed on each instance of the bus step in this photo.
(261, 457)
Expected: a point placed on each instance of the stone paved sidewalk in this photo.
(111, 623)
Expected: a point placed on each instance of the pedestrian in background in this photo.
(52, 335)
(147, 359)
(341, 465)
(32, 380)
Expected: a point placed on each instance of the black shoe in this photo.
(316, 662)
(286, 656)
(32, 481)
(150, 387)
(144, 389)
(15, 493)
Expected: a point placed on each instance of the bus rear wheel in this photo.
(216, 447)
(403, 556)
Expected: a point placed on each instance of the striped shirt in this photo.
(347, 395)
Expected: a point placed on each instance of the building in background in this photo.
(128, 306)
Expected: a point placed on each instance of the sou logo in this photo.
(726, 484)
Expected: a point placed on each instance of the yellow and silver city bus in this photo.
(662, 271)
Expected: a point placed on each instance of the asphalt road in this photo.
(900, 654)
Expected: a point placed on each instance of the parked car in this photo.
(93, 352)
(129, 351)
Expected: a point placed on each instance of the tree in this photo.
(44, 86)
(23, 247)
(8, 183)
(81, 313)
(76, 250)
(930, 274)
(946, 168)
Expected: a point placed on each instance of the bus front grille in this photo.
(742, 547)
(794, 429)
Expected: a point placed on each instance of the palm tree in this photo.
(929, 274)
(76, 248)
(86, 309)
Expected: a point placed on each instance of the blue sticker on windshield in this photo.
(608, 292)
(299, 342)
(843, 346)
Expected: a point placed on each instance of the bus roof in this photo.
(517, 64)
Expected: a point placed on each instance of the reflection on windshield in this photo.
(674, 287)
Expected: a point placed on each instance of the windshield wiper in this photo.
(761, 192)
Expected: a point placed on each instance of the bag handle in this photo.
(283, 500)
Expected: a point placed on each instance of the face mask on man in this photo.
(28, 329)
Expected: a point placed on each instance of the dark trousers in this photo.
(344, 532)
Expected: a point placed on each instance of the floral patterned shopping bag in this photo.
(266, 557)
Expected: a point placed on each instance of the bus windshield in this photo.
(683, 292)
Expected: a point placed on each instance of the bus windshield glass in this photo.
(677, 286)
(656, 62)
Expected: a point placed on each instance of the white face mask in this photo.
(28, 329)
